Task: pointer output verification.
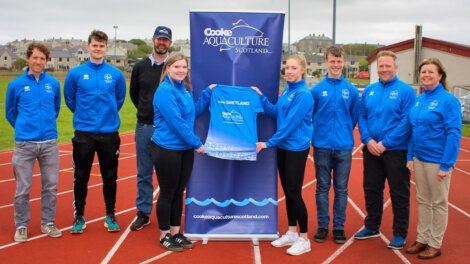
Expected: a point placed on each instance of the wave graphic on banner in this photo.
(226, 203)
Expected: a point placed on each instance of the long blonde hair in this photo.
(170, 61)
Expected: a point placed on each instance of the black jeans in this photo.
(291, 166)
(390, 166)
(173, 168)
(106, 145)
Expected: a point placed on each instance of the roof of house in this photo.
(61, 52)
(10, 53)
(444, 46)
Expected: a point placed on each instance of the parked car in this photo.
(363, 75)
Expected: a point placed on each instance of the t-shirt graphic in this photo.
(232, 130)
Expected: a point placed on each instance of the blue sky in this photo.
(358, 21)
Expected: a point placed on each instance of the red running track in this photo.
(96, 245)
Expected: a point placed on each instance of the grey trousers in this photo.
(24, 156)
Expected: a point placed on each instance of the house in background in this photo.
(62, 59)
(7, 57)
(455, 58)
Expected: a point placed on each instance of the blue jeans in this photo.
(326, 161)
(143, 134)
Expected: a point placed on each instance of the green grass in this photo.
(359, 81)
(64, 121)
(466, 130)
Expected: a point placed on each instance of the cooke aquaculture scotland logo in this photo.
(239, 37)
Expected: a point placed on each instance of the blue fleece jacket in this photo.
(95, 93)
(437, 126)
(335, 113)
(384, 113)
(32, 107)
(175, 113)
(293, 112)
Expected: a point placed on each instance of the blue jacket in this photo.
(293, 112)
(32, 107)
(174, 115)
(335, 114)
(437, 126)
(95, 94)
(384, 113)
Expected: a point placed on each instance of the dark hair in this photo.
(170, 61)
(335, 51)
(440, 69)
(40, 47)
(99, 36)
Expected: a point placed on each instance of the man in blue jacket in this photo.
(334, 118)
(32, 107)
(385, 130)
(145, 79)
(94, 92)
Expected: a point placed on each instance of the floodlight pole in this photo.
(115, 41)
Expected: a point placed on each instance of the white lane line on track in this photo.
(70, 191)
(123, 236)
(69, 152)
(66, 169)
(464, 150)
(68, 227)
(465, 172)
(452, 205)
(257, 254)
(358, 149)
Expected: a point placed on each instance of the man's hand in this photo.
(372, 147)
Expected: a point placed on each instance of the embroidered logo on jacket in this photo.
(26, 89)
(48, 88)
(108, 78)
(324, 93)
(345, 94)
(86, 77)
(433, 104)
(393, 94)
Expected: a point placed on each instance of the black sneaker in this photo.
(339, 237)
(183, 241)
(170, 244)
(320, 235)
(141, 221)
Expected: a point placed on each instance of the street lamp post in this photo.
(288, 36)
(334, 22)
(115, 41)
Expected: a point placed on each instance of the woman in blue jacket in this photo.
(437, 126)
(173, 146)
(293, 112)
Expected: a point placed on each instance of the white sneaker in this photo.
(300, 246)
(286, 240)
(21, 234)
(51, 230)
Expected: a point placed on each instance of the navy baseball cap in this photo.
(162, 32)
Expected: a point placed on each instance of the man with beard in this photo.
(145, 79)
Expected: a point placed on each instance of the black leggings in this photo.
(291, 166)
(173, 168)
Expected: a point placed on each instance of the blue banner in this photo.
(226, 198)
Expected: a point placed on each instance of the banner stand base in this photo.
(232, 237)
